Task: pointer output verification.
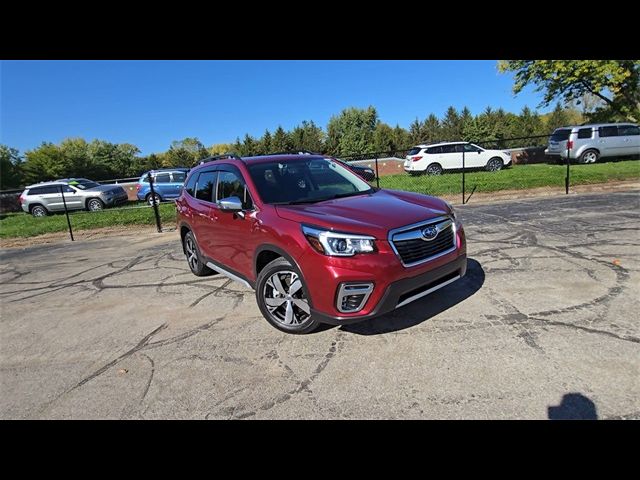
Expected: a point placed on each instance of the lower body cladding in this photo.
(352, 295)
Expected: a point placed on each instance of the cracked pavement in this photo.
(119, 328)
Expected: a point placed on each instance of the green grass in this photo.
(24, 225)
(516, 178)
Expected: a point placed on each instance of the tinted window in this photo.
(448, 149)
(162, 178)
(44, 190)
(471, 148)
(560, 134)
(627, 130)
(414, 151)
(205, 186)
(433, 150)
(83, 183)
(179, 177)
(66, 189)
(584, 133)
(608, 131)
(231, 185)
(190, 188)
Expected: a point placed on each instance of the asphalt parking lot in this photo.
(546, 324)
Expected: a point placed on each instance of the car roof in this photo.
(596, 125)
(429, 145)
(46, 184)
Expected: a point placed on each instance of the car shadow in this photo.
(425, 308)
(574, 406)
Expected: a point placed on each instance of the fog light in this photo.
(353, 296)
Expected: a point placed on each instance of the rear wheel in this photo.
(39, 211)
(494, 164)
(151, 198)
(589, 156)
(194, 259)
(434, 169)
(282, 298)
(95, 205)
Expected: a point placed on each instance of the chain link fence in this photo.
(486, 170)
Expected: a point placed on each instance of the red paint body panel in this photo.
(233, 241)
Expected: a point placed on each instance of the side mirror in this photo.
(479, 152)
(230, 204)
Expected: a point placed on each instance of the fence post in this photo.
(463, 175)
(66, 212)
(154, 203)
(377, 174)
(566, 180)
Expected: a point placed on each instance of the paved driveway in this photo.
(546, 323)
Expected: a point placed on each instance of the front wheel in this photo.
(282, 298)
(494, 164)
(95, 205)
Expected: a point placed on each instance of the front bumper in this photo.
(402, 292)
(115, 200)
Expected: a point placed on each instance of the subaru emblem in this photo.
(429, 233)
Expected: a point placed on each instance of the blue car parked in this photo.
(167, 184)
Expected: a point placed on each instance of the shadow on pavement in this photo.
(574, 406)
(425, 308)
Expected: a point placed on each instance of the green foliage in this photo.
(281, 141)
(220, 148)
(352, 131)
(184, 153)
(615, 82)
(10, 168)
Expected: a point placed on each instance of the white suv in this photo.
(434, 159)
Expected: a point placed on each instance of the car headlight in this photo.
(338, 244)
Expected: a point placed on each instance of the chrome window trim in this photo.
(438, 220)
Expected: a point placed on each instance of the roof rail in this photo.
(291, 152)
(224, 156)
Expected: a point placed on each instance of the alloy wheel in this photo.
(192, 254)
(284, 298)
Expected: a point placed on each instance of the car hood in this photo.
(373, 214)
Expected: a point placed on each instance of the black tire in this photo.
(301, 321)
(494, 164)
(589, 156)
(434, 169)
(150, 202)
(194, 257)
(95, 205)
(38, 211)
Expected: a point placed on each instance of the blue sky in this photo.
(151, 103)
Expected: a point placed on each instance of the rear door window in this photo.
(448, 148)
(584, 133)
(44, 190)
(608, 131)
(163, 178)
(205, 188)
(434, 150)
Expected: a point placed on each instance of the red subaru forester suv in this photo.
(315, 241)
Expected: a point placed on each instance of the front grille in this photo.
(417, 250)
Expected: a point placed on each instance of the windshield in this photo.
(560, 135)
(305, 181)
(83, 184)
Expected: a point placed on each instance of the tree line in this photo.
(352, 131)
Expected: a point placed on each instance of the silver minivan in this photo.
(588, 143)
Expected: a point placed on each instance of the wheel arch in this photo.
(266, 253)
